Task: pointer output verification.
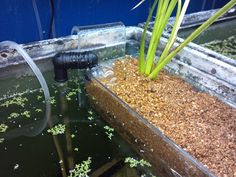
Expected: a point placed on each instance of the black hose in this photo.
(73, 60)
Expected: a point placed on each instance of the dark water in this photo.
(24, 154)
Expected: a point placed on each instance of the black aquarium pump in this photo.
(72, 60)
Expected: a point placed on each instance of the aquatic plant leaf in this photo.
(82, 169)
(57, 129)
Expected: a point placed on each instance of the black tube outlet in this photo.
(73, 60)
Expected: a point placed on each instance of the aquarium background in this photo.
(18, 20)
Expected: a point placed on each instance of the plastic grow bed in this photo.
(198, 68)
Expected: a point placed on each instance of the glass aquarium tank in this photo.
(91, 131)
(75, 140)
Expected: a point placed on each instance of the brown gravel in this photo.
(201, 124)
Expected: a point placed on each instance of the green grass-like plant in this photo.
(164, 8)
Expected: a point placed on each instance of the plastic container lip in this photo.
(77, 29)
(103, 35)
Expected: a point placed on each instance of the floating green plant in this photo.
(148, 65)
(20, 101)
(2, 140)
(90, 112)
(53, 100)
(13, 115)
(16, 166)
(90, 118)
(109, 131)
(77, 90)
(39, 97)
(82, 169)
(57, 129)
(38, 110)
(3, 128)
(26, 114)
(91, 115)
(134, 162)
(72, 93)
(93, 98)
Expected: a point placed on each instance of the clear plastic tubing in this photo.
(41, 80)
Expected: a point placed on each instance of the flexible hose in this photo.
(41, 80)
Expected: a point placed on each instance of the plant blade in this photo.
(166, 10)
(195, 34)
(142, 44)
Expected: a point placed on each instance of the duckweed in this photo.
(134, 163)
(90, 118)
(82, 169)
(20, 101)
(72, 93)
(26, 114)
(57, 129)
(109, 131)
(3, 128)
(77, 90)
(39, 97)
(69, 95)
(90, 112)
(2, 140)
(52, 100)
(13, 115)
(38, 110)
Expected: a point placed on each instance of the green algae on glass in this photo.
(82, 169)
(109, 131)
(3, 128)
(225, 47)
(57, 129)
(134, 162)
